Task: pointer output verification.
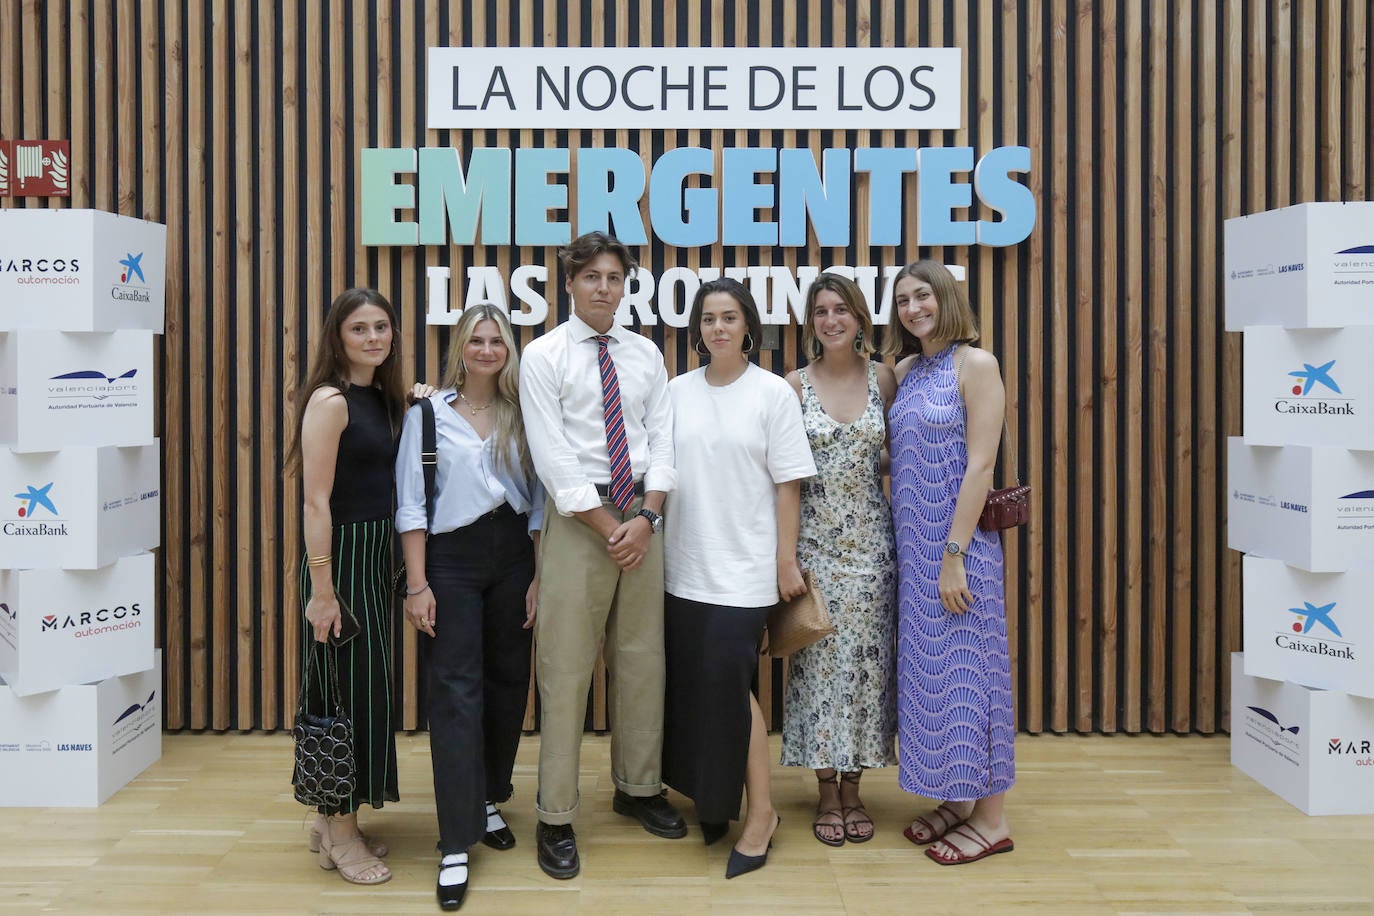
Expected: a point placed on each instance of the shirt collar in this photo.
(580, 330)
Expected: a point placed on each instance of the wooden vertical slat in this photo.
(273, 554)
(1305, 107)
(222, 554)
(1057, 601)
(102, 90)
(126, 102)
(57, 98)
(246, 489)
(10, 71)
(1135, 236)
(1280, 111)
(1356, 112)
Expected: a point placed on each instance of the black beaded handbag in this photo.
(325, 769)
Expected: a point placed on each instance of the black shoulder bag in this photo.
(429, 464)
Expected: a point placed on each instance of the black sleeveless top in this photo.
(364, 473)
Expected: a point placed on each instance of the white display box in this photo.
(1312, 748)
(81, 270)
(80, 508)
(1315, 629)
(1306, 266)
(1310, 507)
(60, 627)
(1309, 387)
(71, 388)
(77, 746)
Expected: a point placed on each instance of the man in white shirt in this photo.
(600, 428)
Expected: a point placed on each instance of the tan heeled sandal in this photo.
(321, 826)
(353, 860)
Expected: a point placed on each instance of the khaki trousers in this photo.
(583, 599)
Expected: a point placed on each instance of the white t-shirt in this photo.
(731, 445)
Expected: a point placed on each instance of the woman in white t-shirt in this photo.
(730, 552)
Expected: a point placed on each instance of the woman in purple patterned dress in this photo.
(955, 726)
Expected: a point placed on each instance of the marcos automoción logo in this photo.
(93, 623)
(1315, 391)
(1359, 751)
(1314, 631)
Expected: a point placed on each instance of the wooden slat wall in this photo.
(239, 125)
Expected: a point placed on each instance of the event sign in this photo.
(1312, 748)
(80, 508)
(72, 388)
(1305, 266)
(81, 270)
(1315, 629)
(1311, 507)
(1309, 387)
(60, 627)
(79, 745)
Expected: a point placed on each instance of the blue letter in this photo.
(382, 196)
(741, 196)
(940, 196)
(668, 198)
(801, 189)
(886, 168)
(488, 184)
(535, 197)
(610, 183)
(1013, 200)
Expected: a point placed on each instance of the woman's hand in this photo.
(323, 613)
(419, 611)
(419, 392)
(790, 581)
(531, 602)
(954, 593)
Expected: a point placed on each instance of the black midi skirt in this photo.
(712, 657)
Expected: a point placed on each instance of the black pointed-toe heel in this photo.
(711, 831)
(740, 864)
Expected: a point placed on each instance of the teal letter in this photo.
(610, 183)
(801, 189)
(535, 197)
(669, 199)
(940, 196)
(1014, 201)
(885, 169)
(487, 184)
(383, 196)
(741, 196)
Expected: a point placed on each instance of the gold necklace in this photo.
(471, 406)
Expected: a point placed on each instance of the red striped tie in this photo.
(622, 475)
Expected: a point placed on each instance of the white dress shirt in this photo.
(565, 420)
(470, 479)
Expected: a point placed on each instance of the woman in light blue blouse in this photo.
(472, 583)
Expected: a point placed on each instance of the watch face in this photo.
(952, 548)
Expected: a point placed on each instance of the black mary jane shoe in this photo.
(740, 864)
(557, 850)
(453, 880)
(712, 831)
(653, 812)
(498, 835)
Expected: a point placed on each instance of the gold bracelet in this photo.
(324, 560)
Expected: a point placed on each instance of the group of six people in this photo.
(583, 499)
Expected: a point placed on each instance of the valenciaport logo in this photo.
(1265, 728)
(1315, 391)
(1355, 512)
(1359, 751)
(1354, 266)
(89, 388)
(1314, 631)
(101, 620)
(132, 285)
(36, 514)
(5, 610)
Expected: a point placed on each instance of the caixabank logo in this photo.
(36, 514)
(1264, 728)
(1314, 631)
(1357, 751)
(1315, 391)
(132, 285)
(82, 624)
(92, 389)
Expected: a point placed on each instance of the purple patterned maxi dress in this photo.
(955, 728)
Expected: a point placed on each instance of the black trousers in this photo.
(479, 668)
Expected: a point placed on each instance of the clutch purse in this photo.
(1006, 508)
(797, 623)
(324, 771)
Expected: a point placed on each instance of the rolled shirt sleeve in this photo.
(661, 474)
(410, 478)
(553, 455)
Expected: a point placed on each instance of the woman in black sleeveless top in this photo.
(345, 450)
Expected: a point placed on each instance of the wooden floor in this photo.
(1102, 824)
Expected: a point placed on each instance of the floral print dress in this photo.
(840, 708)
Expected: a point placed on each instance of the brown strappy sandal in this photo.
(837, 813)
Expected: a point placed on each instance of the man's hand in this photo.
(630, 542)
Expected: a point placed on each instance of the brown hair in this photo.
(735, 290)
(854, 300)
(587, 247)
(955, 321)
(329, 365)
(511, 447)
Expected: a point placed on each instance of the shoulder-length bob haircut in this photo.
(509, 430)
(954, 323)
(735, 290)
(853, 299)
(587, 247)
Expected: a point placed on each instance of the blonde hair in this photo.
(853, 299)
(955, 322)
(507, 427)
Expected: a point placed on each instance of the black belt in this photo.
(604, 489)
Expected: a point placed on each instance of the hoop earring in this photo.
(748, 343)
(859, 343)
(701, 349)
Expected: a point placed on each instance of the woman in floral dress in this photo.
(840, 710)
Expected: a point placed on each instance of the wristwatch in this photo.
(655, 520)
(953, 549)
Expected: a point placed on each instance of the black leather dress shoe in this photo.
(498, 835)
(557, 850)
(453, 880)
(654, 812)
